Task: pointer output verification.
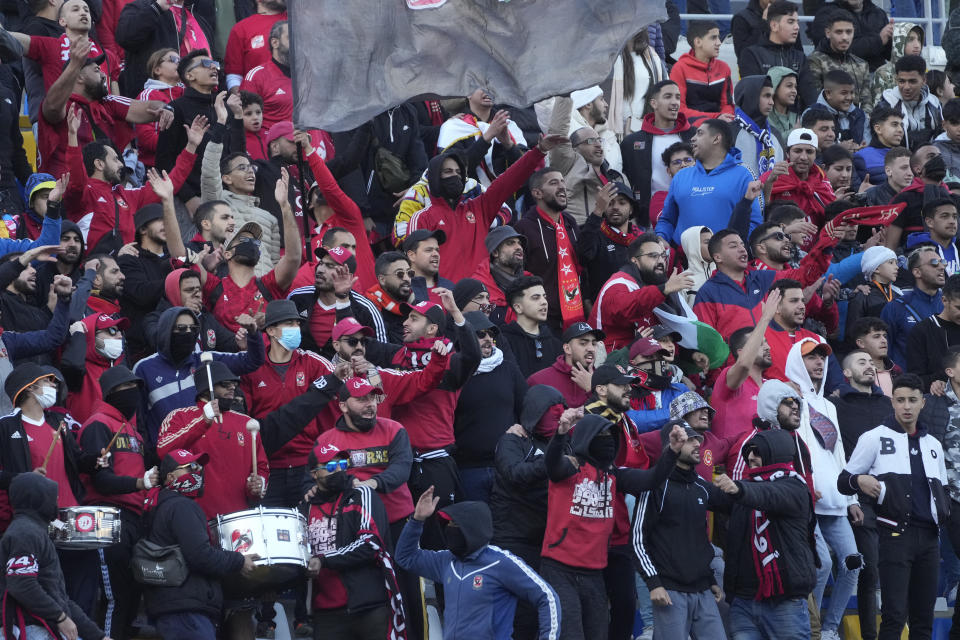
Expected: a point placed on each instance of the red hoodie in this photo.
(557, 376)
(812, 195)
(705, 85)
(81, 403)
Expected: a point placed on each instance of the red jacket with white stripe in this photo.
(269, 82)
(624, 306)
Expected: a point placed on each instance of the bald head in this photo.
(588, 144)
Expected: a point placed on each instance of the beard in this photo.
(654, 277)
(24, 288)
(597, 115)
(554, 203)
(401, 293)
(362, 423)
(96, 89)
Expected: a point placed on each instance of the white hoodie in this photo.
(826, 465)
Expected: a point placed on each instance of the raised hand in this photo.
(605, 195)
(679, 281)
(220, 107)
(56, 194)
(161, 184)
(74, 119)
(549, 142)
(196, 131)
(282, 190)
(426, 505)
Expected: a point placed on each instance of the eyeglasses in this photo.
(654, 254)
(206, 63)
(779, 236)
(185, 328)
(355, 341)
(590, 141)
(677, 162)
(486, 333)
(409, 274)
(333, 465)
(244, 168)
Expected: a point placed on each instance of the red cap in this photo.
(324, 453)
(360, 387)
(348, 327)
(337, 254)
(283, 129)
(105, 322)
(178, 458)
(646, 347)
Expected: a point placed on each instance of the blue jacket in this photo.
(652, 419)
(948, 253)
(869, 160)
(700, 198)
(480, 592)
(49, 235)
(169, 385)
(901, 320)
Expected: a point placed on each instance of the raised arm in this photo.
(162, 185)
(738, 372)
(289, 264)
(54, 106)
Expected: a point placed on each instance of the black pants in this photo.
(866, 537)
(337, 624)
(444, 476)
(909, 563)
(620, 580)
(121, 591)
(284, 491)
(583, 600)
(81, 574)
(409, 583)
(526, 622)
(953, 530)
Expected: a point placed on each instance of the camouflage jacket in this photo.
(824, 60)
(885, 77)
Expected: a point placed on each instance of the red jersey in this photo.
(108, 115)
(257, 144)
(781, 342)
(275, 87)
(249, 44)
(229, 446)
(580, 518)
(98, 206)
(148, 133)
(40, 437)
(52, 53)
(234, 300)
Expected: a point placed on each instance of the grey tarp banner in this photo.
(354, 59)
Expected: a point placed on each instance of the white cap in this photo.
(583, 97)
(802, 136)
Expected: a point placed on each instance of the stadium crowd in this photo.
(675, 355)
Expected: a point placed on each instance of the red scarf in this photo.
(382, 300)
(415, 355)
(568, 273)
(811, 195)
(435, 112)
(618, 237)
(766, 564)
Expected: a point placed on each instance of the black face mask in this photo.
(361, 423)
(456, 542)
(125, 401)
(182, 344)
(333, 484)
(451, 187)
(247, 254)
(935, 169)
(603, 449)
(657, 382)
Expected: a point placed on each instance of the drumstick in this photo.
(253, 427)
(207, 357)
(53, 445)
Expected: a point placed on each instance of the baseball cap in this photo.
(324, 453)
(803, 136)
(251, 228)
(339, 255)
(609, 374)
(431, 310)
(415, 237)
(625, 191)
(105, 322)
(178, 458)
(358, 388)
(348, 327)
(283, 129)
(646, 347)
(809, 346)
(578, 329)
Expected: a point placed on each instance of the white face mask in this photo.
(47, 398)
(112, 348)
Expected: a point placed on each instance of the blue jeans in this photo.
(835, 532)
(693, 614)
(769, 620)
(477, 482)
(196, 626)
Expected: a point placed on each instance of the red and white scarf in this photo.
(415, 355)
(618, 237)
(766, 563)
(568, 273)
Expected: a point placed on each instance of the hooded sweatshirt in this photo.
(467, 221)
(921, 117)
(851, 124)
(706, 89)
(782, 123)
(759, 147)
(168, 384)
(481, 587)
(700, 197)
(147, 134)
(700, 268)
(885, 77)
(820, 431)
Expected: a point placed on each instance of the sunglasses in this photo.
(206, 63)
(409, 273)
(486, 333)
(333, 465)
(184, 328)
(352, 342)
(779, 236)
(936, 262)
(191, 466)
(172, 58)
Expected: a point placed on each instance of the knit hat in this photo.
(585, 96)
(873, 258)
(466, 290)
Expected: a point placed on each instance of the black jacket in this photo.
(178, 520)
(398, 131)
(33, 584)
(604, 256)
(143, 289)
(757, 59)
(489, 404)
(858, 412)
(143, 28)
(867, 25)
(531, 353)
(748, 27)
(17, 313)
(665, 521)
(172, 141)
(13, 159)
(789, 506)
(638, 162)
(927, 343)
(357, 565)
(213, 335)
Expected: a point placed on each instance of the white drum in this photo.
(86, 527)
(278, 536)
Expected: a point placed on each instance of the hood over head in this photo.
(165, 329)
(771, 394)
(747, 94)
(900, 32)
(171, 286)
(777, 74)
(475, 521)
(797, 372)
(775, 446)
(34, 495)
(68, 225)
(539, 398)
(690, 242)
(585, 430)
(436, 163)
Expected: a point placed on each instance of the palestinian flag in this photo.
(694, 334)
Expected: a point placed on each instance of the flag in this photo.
(353, 60)
(695, 334)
